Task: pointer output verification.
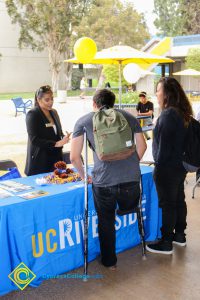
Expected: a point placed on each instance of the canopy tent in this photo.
(123, 55)
(187, 72)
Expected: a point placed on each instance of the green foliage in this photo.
(111, 73)
(177, 17)
(76, 78)
(192, 12)
(170, 20)
(46, 24)
(56, 25)
(110, 22)
(193, 59)
(130, 97)
(29, 95)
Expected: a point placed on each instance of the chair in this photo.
(66, 157)
(5, 164)
(20, 105)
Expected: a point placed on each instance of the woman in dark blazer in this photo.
(45, 136)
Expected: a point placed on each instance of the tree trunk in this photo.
(54, 79)
(68, 75)
(101, 78)
(55, 66)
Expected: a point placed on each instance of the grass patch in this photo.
(31, 95)
(9, 96)
(126, 97)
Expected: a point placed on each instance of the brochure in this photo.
(34, 194)
(4, 194)
(13, 186)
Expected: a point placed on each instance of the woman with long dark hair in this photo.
(169, 173)
(45, 136)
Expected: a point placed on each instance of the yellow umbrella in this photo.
(123, 55)
(188, 72)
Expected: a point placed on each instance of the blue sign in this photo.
(46, 233)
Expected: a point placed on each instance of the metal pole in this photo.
(120, 86)
(189, 89)
(141, 223)
(85, 208)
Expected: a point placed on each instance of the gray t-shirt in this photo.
(108, 173)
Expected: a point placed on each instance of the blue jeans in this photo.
(126, 196)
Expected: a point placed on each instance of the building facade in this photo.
(20, 70)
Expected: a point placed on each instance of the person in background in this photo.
(83, 85)
(169, 173)
(45, 136)
(110, 186)
(107, 85)
(145, 108)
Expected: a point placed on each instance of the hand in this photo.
(89, 179)
(68, 135)
(62, 142)
(66, 138)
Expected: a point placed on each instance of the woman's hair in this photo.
(174, 96)
(45, 89)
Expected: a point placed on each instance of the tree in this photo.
(170, 17)
(47, 24)
(177, 17)
(193, 59)
(192, 12)
(110, 22)
(111, 73)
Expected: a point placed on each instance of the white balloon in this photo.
(132, 73)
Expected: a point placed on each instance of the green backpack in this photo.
(113, 136)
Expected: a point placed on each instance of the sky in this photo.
(146, 7)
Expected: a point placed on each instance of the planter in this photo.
(61, 96)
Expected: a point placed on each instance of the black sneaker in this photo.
(179, 239)
(162, 247)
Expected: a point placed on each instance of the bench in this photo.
(20, 105)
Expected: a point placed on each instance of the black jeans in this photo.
(170, 188)
(126, 195)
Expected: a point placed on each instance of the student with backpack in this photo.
(169, 174)
(116, 175)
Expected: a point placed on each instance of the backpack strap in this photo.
(105, 107)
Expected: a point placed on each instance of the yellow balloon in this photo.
(85, 49)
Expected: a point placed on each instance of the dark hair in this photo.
(174, 96)
(143, 94)
(104, 97)
(45, 89)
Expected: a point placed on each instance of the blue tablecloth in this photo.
(46, 233)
